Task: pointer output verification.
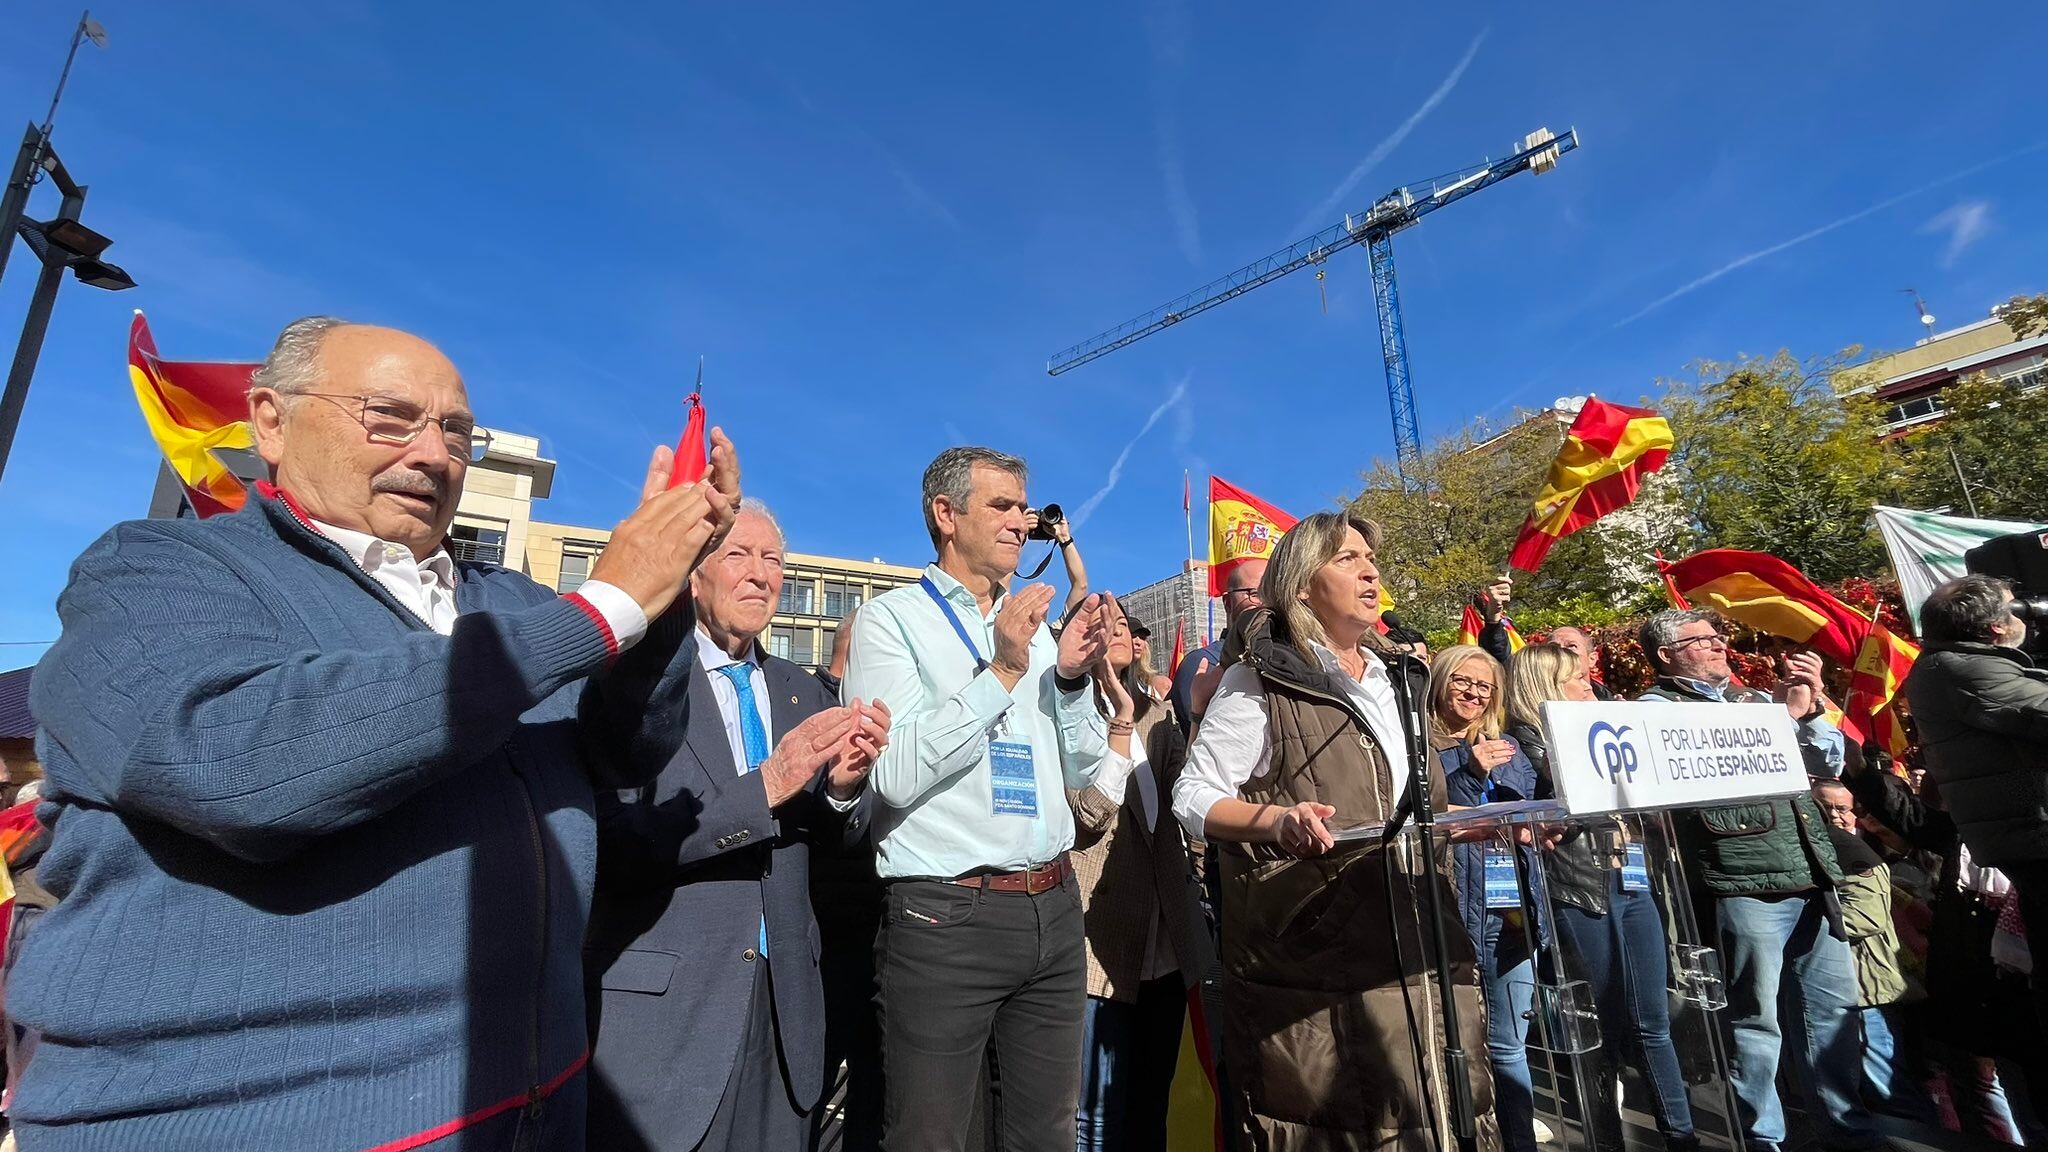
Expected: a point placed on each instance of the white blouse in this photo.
(1231, 747)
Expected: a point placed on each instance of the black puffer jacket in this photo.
(1983, 717)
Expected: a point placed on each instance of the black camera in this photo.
(2020, 559)
(1049, 517)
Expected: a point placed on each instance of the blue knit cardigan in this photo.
(323, 874)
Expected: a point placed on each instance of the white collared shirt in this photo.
(714, 659)
(1231, 747)
(427, 587)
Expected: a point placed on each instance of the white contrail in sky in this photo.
(1116, 470)
(1803, 237)
(1318, 217)
(1965, 222)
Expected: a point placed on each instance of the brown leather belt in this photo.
(1030, 881)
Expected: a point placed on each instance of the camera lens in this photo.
(2033, 611)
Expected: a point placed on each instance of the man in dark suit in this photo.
(702, 962)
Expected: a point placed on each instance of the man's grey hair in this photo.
(752, 506)
(1661, 630)
(952, 475)
(293, 365)
(1963, 610)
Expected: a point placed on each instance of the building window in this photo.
(799, 598)
(469, 542)
(796, 645)
(1918, 408)
(841, 598)
(578, 557)
(575, 570)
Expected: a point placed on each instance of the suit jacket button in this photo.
(742, 834)
(750, 955)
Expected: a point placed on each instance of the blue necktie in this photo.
(753, 736)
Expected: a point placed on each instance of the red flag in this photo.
(193, 408)
(1772, 596)
(1605, 456)
(692, 454)
(1180, 647)
(1471, 624)
(1187, 493)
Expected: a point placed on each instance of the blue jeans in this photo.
(1507, 974)
(1128, 1053)
(1763, 937)
(1623, 958)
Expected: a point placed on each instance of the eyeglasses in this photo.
(391, 421)
(1698, 642)
(1252, 593)
(1479, 688)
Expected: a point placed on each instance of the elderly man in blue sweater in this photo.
(322, 795)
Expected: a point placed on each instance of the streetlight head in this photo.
(100, 274)
(75, 238)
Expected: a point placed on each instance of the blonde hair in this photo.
(1538, 673)
(1310, 544)
(1446, 664)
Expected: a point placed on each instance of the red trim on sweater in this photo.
(271, 491)
(611, 642)
(443, 1131)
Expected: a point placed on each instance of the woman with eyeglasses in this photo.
(1329, 1018)
(1482, 766)
(1607, 920)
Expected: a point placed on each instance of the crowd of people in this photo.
(350, 844)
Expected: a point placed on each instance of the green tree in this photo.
(1447, 535)
(1770, 459)
(1996, 436)
(2027, 316)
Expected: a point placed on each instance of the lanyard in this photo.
(953, 618)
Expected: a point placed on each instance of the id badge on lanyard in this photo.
(1501, 889)
(1635, 869)
(1012, 775)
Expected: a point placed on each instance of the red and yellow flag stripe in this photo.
(1606, 454)
(1768, 594)
(1241, 527)
(193, 408)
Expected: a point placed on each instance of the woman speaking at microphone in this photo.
(1332, 1035)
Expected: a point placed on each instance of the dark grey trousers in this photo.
(966, 979)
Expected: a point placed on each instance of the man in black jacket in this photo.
(1982, 709)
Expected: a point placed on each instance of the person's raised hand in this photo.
(802, 751)
(1022, 615)
(1208, 678)
(653, 551)
(1492, 752)
(1121, 706)
(1301, 830)
(1086, 638)
(722, 473)
(1800, 684)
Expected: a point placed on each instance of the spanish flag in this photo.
(1605, 456)
(1471, 624)
(192, 408)
(1771, 596)
(1241, 527)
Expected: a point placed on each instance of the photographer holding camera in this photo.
(1050, 523)
(1982, 709)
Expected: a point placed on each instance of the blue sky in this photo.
(876, 222)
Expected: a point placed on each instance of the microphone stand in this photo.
(1416, 803)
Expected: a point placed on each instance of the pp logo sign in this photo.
(1613, 753)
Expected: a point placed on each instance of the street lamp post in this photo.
(60, 245)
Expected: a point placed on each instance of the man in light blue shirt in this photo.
(992, 720)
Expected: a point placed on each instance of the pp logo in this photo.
(1613, 753)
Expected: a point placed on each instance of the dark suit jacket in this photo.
(686, 869)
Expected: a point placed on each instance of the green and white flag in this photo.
(1927, 548)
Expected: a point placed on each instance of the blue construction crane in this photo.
(1375, 229)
